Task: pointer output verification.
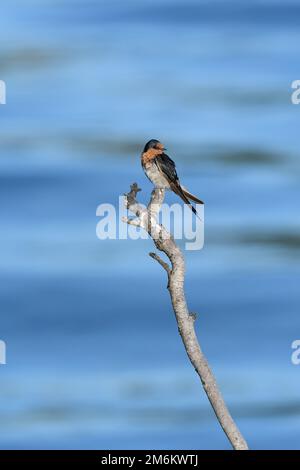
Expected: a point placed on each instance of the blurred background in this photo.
(94, 359)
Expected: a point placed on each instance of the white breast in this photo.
(155, 176)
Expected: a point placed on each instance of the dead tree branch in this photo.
(146, 218)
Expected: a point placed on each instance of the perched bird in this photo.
(161, 171)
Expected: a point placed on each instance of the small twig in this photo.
(147, 219)
(161, 262)
(134, 222)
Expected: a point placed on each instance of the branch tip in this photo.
(134, 222)
(193, 315)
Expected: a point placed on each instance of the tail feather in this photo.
(182, 194)
(191, 196)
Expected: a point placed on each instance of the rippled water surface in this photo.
(94, 359)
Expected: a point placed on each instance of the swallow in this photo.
(161, 171)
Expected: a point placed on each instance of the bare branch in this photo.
(147, 219)
(134, 222)
(161, 262)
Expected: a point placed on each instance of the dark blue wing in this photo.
(167, 167)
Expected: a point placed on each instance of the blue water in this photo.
(93, 357)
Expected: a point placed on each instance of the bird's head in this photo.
(154, 144)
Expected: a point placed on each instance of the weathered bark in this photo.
(147, 219)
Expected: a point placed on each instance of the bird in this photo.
(161, 171)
